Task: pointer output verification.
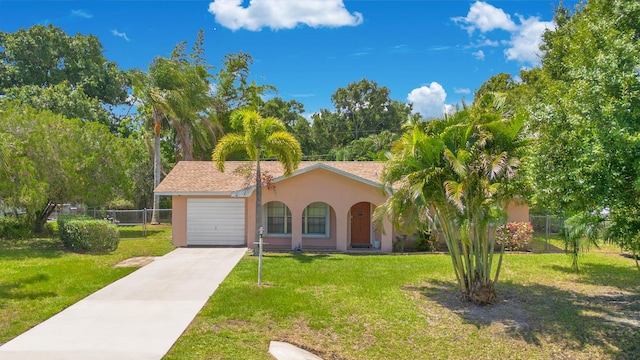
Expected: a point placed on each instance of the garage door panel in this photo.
(215, 222)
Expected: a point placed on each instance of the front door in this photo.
(361, 224)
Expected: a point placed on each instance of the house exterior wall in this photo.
(517, 211)
(320, 185)
(179, 220)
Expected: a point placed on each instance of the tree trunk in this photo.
(42, 216)
(481, 292)
(258, 204)
(157, 166)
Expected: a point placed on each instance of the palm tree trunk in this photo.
(157, 166)
(258, 204)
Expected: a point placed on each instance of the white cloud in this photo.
(429, 101)
(120, 34)
(485, 17)
(525, 36)
(81, 13)
(478, 54)
(525, 43)
(462, 91)
(282, 14)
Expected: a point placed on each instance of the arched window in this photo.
(278, 218)
(315, 220)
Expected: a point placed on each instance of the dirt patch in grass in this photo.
(138, 261)
(571, 318)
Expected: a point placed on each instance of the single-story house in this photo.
(322, 206)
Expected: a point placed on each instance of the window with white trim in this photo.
(315, 220)
(278, 218)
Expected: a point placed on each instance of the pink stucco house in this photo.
(322, 206)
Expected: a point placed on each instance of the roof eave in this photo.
(194, 193)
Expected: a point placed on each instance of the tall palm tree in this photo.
(453, 174)
(176, 92)
(260, 136)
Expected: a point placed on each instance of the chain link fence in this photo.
(118, 217)
(130, 217)
(547, 226)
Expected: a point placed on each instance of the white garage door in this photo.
(215, 222)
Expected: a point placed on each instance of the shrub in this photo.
(516, 236)
(120, 204)
(14, 227)
(426, 240)
(91, 236)
(398, 243)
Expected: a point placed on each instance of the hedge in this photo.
(88, 236)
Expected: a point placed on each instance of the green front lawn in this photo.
(406, 307)
(38, 278)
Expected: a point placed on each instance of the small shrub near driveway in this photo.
(89, 236)
(516, 236)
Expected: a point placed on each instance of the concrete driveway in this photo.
(137, 317)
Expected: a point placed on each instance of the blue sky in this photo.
(430, 53)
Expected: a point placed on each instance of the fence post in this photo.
(144, 222)
(547, 230)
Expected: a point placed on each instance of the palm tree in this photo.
(176, 92)
(453, 174)
(261, 136)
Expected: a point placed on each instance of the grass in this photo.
(38, 278)
(407, 307)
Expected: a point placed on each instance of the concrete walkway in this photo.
(137, 317)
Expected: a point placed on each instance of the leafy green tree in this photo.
(260, 137)
(452, 175)
(234, 89)
(368, 148)
(586, 122)
(366, 108)
(290, 112)
(51, 160)
(45, 55)
(63, 99)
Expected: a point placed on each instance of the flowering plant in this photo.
(516, 236)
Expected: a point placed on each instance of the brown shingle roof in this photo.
(198, 177)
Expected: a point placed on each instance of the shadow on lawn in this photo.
(308, 258)
(30, 248)
(13, 291)
(609, 320)
(605, 275)
(137, 233)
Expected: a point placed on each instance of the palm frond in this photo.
(229, 144)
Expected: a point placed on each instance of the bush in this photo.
(398, 243)
(516, 236)
(426, 240)
(90, 236)
(120, 204)
(14, 227)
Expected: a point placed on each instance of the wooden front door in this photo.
(361, 224)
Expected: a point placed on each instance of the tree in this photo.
(45, 56)
(290, 112)
(234, 90)
(454, 175)
(367, 108)
(51, 160)
(176, 91)
(586, 121)
(260, 137)
(63, 99)
(368, 148)
(361, 109)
